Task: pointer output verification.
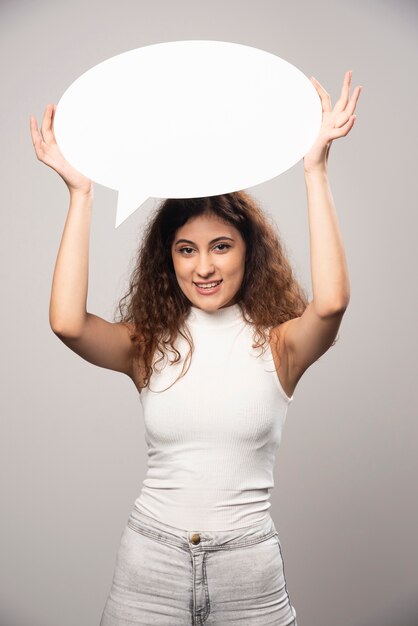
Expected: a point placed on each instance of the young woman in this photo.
(215, 333)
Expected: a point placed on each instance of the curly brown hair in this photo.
(155, 308)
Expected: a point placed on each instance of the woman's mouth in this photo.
(208, 288)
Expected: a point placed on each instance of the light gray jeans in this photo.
(167, 576)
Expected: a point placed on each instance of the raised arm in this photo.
(67, 308)
(309, 336)
(96, 340)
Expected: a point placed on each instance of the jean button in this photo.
(195, 539)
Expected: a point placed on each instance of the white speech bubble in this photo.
(186, 119)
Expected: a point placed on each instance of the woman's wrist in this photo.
(320, 171)
(81, 193)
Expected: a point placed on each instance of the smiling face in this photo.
(198, 258)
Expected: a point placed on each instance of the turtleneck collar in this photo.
(227, 316)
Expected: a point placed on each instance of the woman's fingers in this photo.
(345, 93)
(345, 115)
(52, 120)
(324, 95)
(43, 138)
(353, 100)
(47, 132)
(34, 129)
(345, 104)
(343, 130)
(36, 136)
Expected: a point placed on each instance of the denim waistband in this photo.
(197, 540)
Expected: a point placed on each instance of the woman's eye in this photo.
(223, 245)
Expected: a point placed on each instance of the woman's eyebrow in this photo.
(211, 241)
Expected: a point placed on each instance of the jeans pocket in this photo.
(276, 535)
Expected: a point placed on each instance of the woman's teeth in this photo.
(208, 286)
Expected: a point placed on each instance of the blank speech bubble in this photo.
(186, 119)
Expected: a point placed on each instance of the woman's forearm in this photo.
(67, 309)
(330, 279)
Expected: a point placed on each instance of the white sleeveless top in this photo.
(212, 437)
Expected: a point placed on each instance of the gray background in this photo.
(72, 449)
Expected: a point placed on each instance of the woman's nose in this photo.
(204, 266)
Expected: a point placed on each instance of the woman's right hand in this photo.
(47, 151)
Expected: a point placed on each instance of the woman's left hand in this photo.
(336, 122)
